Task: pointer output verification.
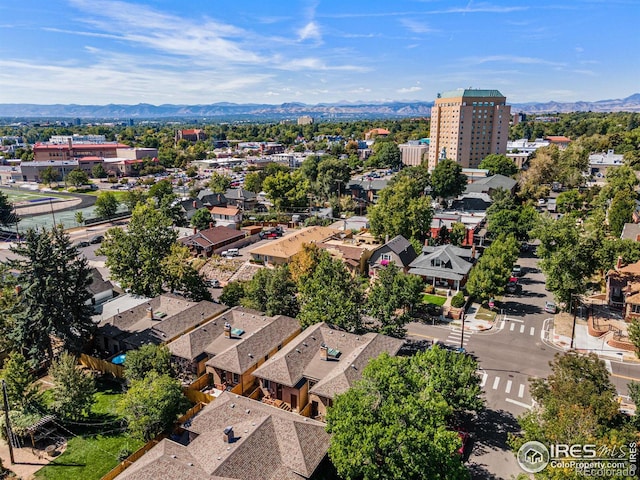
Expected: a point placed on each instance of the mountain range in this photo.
(323, 111)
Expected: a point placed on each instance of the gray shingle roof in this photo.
(486, 184)
(271, 444)
(454, 266)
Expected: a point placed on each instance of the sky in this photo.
(322, 51)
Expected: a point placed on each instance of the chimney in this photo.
(227, 329)
(227, 435)
(195, 230)
(150, 313)
(324, 352)
(210, 224)
(195, 204)
(619, 263)
(70, 143)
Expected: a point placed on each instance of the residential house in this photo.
(376, 132)
(620, 281)
(472, 202)
(211, 199)
(232, 354)
(489, 184)
(366, 189)
(230, 217)
(355, 255)
(444, 266)
(631, 231)
(101, 289)
(158, 320)
(307, 374)
(280, 251)
(190, 207)
(237, 438)
(241, 198)
(398, 250)
(601, 163)
(206, 242)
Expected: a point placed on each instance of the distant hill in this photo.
(233, 111)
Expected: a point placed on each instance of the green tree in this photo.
(622, 178)
(393, 295)
(232, 293)
(499, 165)
(634, 334)
(458, 234)
(402, 209)
(201, 219)
(387, 154)
(98, 171)
(132, 256)
(569, 201)
(77, 178)
(7, 217)
(272, 291)
(180, 274)
(49, 175)
(634, 393)
(151, 405)
(392, 423)
(19, 377)
(331, 295)
(253, 182)
(333, 176)
(106, 205)
(447, 179)
(79, 217)
(73, 388)
(219, 183)
(286, 190)
(490, 274)
(133, 197)
(506, 217)
(54, 296)
(620, 211)
(146, 359)
(576, 404)
(160, 190)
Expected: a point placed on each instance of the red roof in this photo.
(558, 139)
(89, 159)
(191, 131)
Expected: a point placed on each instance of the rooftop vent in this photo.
(227, 435)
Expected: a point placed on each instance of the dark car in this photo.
(82, 244)
(96, 239)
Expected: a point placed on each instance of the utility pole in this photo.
(6, 421)
(462, 332)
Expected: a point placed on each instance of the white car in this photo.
(550, 307)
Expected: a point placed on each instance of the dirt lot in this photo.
(220, 268)
(563, 323)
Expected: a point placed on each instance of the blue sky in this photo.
(276, 51)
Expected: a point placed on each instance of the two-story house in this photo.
(398, 250)
(307, 374)
(444, 266)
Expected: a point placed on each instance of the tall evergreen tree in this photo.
(54, 296)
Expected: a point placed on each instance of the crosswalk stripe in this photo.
(508, 389)
(513, 325)
(607, 364)
(496, 382)
(521, 391)
(483, 380)
(533, 329)
(521, 328)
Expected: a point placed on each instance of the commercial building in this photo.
(467, 125)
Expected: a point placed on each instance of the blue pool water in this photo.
(119, 359)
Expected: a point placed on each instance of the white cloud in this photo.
(416, 26)
(311, 31)
(409, 89)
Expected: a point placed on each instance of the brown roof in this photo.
(301, 358)
(261, 335)
(631, 269)
(213, 236)
(172, 316)
(289, 245)
(225, 211)
(270, 444)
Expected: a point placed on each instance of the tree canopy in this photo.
(201, 219)
(77, 178)
(146, 359)
(499, 165)
(54, 299)
(73, 388)
(393, 424)
(447, 179)
(106, 205)
(490, 274)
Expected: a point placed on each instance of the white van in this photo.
(232, 252)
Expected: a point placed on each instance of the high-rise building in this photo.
(467, 125)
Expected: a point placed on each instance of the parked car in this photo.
(464, 438)
(516, 271)
(213, 283)
(550, 307)
(232, 252)
(96, 239)
(82, 244)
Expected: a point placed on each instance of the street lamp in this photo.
(575, 313)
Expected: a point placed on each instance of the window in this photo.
(386, 256)
(236, 378)
(635, 308)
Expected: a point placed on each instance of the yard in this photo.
(434, 299)
(98, 446)
(484, 313)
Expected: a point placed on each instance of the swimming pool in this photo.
(119, 359)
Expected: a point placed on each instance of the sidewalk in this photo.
(585, 343)
(472, 323)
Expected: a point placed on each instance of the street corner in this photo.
(561, 341)
(481, 327)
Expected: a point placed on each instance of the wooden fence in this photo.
(201, 382)
(196, 396)
(127, 462)
(101, 365)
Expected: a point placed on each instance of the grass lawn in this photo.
(95, 450)
(434, 299)
(486, 314)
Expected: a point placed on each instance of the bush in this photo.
(429, 289)
(458, 300)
